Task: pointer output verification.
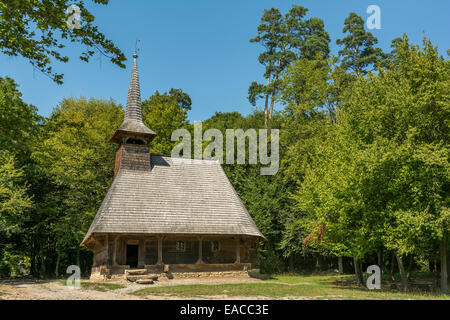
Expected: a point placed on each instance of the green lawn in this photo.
(103, 287)
(291, 286)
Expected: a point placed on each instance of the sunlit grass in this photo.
(97, 286)
(292, 287)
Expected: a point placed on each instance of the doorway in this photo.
(132, 255)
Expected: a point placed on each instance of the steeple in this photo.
(132, 125)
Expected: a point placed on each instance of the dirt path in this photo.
(55, 290)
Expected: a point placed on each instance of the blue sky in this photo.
(202, 47)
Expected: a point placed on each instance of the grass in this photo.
(97, 286)
(291, 286)
(2, 294)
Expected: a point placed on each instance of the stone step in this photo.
(133, 278)
(144, 281)
(135, 272)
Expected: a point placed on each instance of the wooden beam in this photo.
(115, 250)
(200, 251)
(96, 241)
(238, 250)
(107, 249)
(141, 253)
(160, 243)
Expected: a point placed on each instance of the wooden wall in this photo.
(149, 250)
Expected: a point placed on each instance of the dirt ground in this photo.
(56, 290)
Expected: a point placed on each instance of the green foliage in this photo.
(183, 99)
(18, 120)
(37, 30)
(14, 264)
(363, 159)
(76, 160)
(316, 40)
(163, 114)
(14, 200)
(381, 176)
(102, 287)
(289, 286)
(285, 39)
(358, 52)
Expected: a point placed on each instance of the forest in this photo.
(364, 155)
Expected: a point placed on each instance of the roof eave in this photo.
(120, 133)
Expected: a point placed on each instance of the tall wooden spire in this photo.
(132, 124)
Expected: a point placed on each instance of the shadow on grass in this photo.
(19, 281)
(421, 285)
(97, 286)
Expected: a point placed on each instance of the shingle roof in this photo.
(132, 122)
(177, 196)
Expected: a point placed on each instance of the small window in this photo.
(134, 141)
(215, 246)
(180, 246)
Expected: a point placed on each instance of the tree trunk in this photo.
(33, 266)
(410, 267)
(358, 272)
(444, 275)
(401, 268)
(272, 99)
(380, 259)
(291, 263)
(266, 107)
(448, 267)
(42, 268)
(78, 256)
(434, 269)
(340, 266)
(58, 259)
(272, 102)
(392, 268)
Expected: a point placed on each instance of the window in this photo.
(180, 246)
(134, 141)
(215, 246)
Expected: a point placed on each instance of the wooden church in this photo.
(163, 212)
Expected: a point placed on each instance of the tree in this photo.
(37, 30)
(163, 114)
(265, 197)
(19, 129)
(183, 99)
(285, 39)
(380, 177)
(75, 161)
(358, 53)
(14, 203)
(18, 121)
(316, 40)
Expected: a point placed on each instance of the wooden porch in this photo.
(183, 253)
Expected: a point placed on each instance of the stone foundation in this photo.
(182, 275)
(176, 270)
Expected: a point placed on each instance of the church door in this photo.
(132, 255)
